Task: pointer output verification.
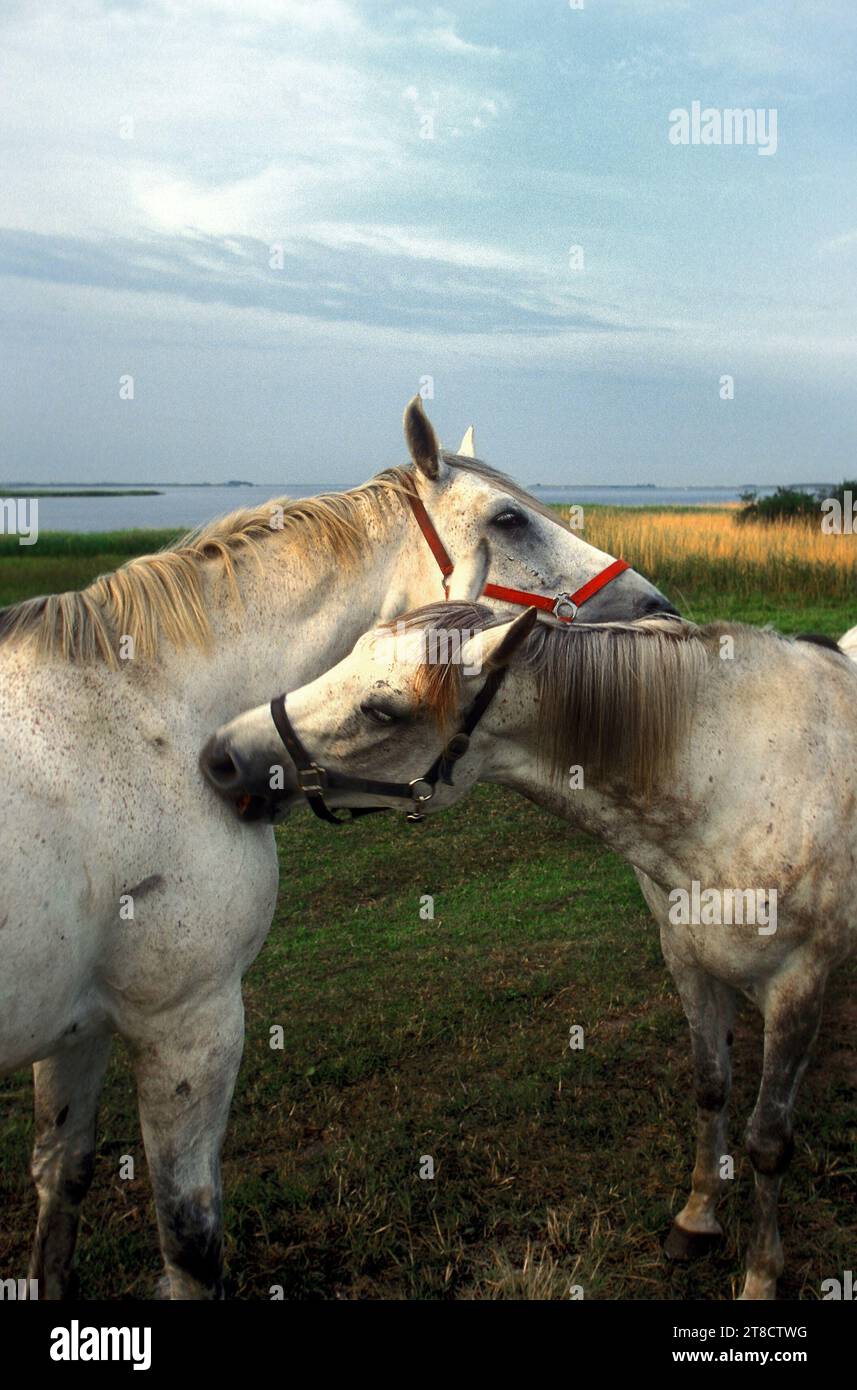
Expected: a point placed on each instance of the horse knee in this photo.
(710, 1086)
(193, 1238)
(63, 1172)
(770, 1148)
(711, 1093)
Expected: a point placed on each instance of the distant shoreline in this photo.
(106, 488)
(21, 490)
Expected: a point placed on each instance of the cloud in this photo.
(445, 40)
(298, 124)
(403, 241)
(838, 243)
(309, 16)
(327, 272)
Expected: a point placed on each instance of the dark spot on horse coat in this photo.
(146, 885)
(183, 1088)
(62, 1117)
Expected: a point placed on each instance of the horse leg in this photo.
(792, 1012)
(186, 1062)
(67, 1088)
(710, 1009)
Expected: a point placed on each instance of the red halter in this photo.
(562, 606)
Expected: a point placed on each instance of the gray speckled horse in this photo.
(721, 762)
(132, 901)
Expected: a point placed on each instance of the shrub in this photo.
(792, 504)
(786, 504)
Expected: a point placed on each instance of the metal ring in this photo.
(561, 602)
(421, 796)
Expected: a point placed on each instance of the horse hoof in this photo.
(758, 1291)
(682, 1246)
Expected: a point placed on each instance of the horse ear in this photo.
(421, 439)
(495, 647)
(467, 447)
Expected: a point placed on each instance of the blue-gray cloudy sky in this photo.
(299, 125)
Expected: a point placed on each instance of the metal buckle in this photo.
(564, 601)
(420, 796)
(312, 778)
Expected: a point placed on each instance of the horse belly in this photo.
(47, 946)
(745, 955)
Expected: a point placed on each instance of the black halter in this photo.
(314, 780)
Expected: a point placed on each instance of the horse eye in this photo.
(510, 519)
(377, 713)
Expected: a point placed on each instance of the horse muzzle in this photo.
(245, 780)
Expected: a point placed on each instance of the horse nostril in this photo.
(657, 604)
(218, 765)
(223, 769)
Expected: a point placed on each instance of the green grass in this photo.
(448, 1037)
(70, 559)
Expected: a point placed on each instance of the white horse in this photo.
(132, 901)
(848, 643)
(720, 761)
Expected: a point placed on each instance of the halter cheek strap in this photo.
(314, 780)
(562, 606)
(435, 544)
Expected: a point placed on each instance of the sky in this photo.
(281, 218)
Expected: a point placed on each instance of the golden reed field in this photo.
(706, 550)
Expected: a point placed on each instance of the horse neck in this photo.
(650, 835)
(298, 612)
(703, 815)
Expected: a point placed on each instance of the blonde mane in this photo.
(162, 596)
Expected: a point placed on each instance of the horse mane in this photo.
(614, 698)
(617, 698)
(162, 595)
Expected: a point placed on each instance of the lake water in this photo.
(188, 506)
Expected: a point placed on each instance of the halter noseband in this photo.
(314, 780)
(564, 607)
